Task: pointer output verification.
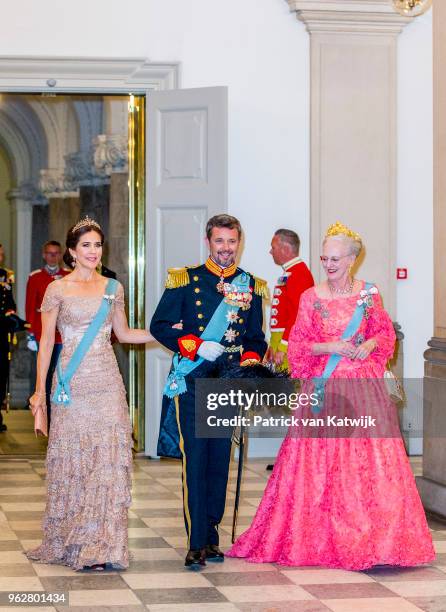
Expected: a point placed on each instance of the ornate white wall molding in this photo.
(54, 183)
(86, 74)
(110, 154)
(80, 170)
(372, 16)
(28, 193)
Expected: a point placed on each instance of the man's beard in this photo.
(222, 261)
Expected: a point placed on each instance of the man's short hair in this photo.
(51, 243)
(290, 238)
(223, 221)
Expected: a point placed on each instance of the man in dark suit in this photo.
(220, 307)
(9, 324)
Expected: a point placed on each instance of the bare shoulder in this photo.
(57, 284)
(64, 280)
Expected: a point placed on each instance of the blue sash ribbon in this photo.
(215, 329)
(332, 363)
(62, 394)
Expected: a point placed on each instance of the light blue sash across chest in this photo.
(215, 329)
(62, 393)
(333, 362)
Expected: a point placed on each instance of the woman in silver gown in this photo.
(89, 454)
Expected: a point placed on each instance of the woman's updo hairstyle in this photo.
(74, 235)
(339, 231)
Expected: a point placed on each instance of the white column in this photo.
(432, 485)
(353, 127)
(22, 223)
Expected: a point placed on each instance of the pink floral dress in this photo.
(347, 503)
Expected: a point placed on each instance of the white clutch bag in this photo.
(393, 386)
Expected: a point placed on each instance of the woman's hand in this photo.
(343, 347)
(279, 358)
(363, 350)
(178, 325)
(37, 401)
(269, 356)
(38, 409)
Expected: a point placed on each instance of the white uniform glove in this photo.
(31, 343)
(210, 350)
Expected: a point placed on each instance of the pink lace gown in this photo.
(347, 503)
(89, 457)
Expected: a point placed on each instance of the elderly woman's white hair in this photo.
(339, 231)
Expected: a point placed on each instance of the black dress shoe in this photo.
(195, 559)
(214, 554)
(3, 427)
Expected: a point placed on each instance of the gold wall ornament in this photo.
(411, 8)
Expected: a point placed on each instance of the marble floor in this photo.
(157, 580)
(20, 439)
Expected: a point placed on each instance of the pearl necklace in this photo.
(345, 290)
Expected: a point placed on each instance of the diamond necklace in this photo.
(344, 290)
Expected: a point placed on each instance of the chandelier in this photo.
(412, 8)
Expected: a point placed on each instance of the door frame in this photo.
(93, 75)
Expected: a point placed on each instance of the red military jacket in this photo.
(38, 281)
(296, 279)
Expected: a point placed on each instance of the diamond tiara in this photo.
(84, 223)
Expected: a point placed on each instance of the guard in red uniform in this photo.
(38, 281)
(296, 279)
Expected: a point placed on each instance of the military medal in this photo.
(230, 335)
(234, 296)
(221, 285)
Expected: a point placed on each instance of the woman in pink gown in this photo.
(348, 502)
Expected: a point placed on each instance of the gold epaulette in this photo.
(10, 275)
(177, 277)
(261, 287)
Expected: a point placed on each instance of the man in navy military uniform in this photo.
(9, 324)
(220, 308)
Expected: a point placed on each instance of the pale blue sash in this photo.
(332, 363)
(62, 394)
(215, 329)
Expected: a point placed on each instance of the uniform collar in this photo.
(292, 262)
(51, 272)
(218, 270)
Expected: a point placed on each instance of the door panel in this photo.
(186, 184)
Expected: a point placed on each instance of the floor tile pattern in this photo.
(157, 580)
